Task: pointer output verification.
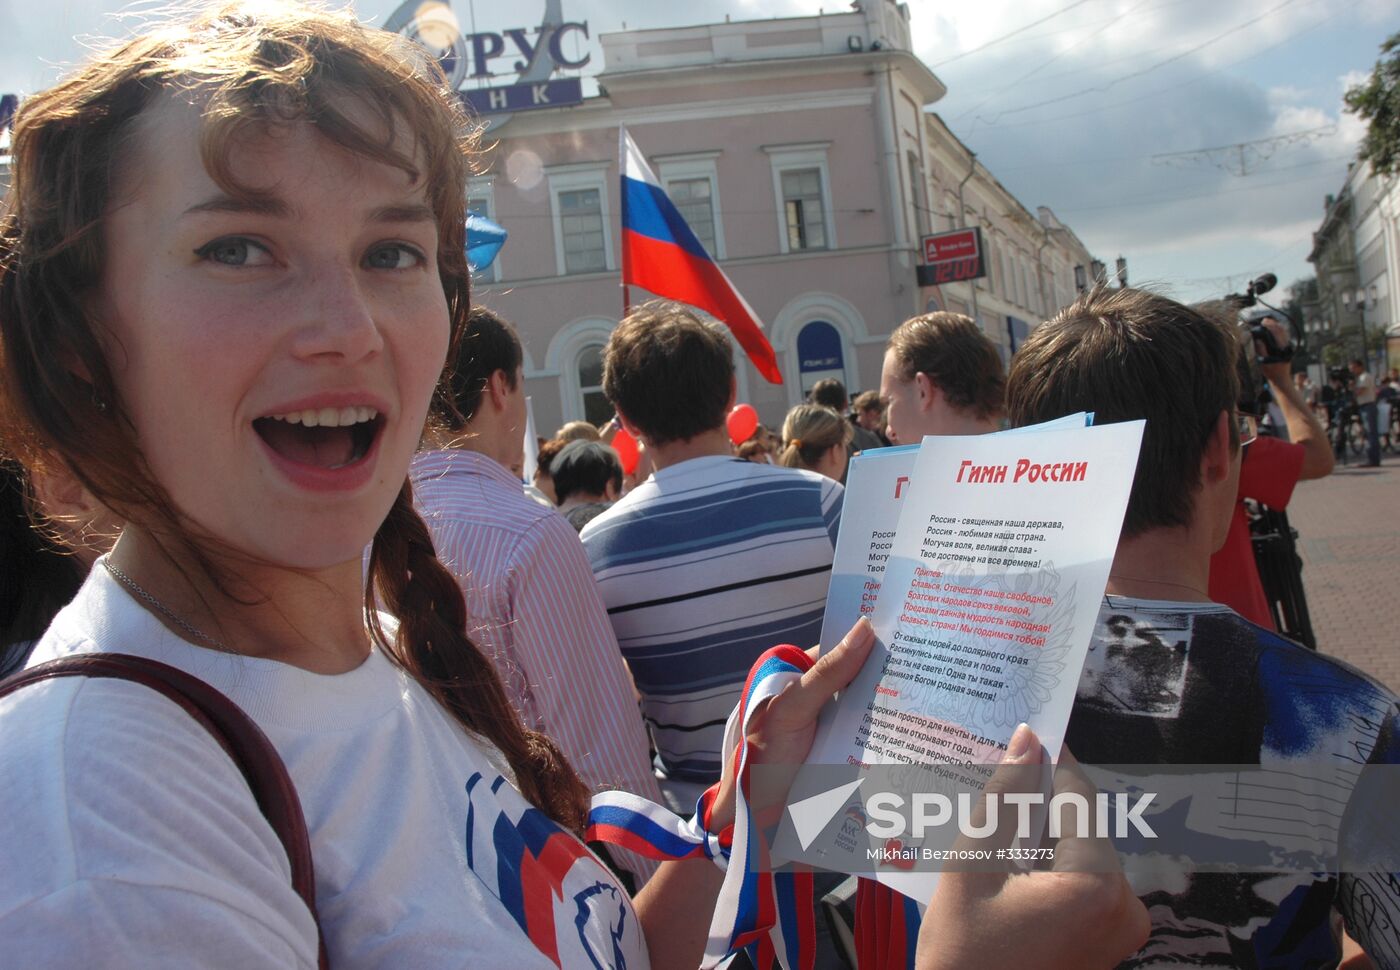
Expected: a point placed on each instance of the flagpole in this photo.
(622, 175)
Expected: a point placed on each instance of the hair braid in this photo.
(433, 646)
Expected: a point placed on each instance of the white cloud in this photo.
(1286, 94)
(1352, 78)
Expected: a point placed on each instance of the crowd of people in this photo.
(268, 455)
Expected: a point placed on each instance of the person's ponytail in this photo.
(791, 455)
(810, 431)
(432, 645)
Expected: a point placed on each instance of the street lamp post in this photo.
(1360, 299)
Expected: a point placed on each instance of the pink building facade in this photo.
(802, 154)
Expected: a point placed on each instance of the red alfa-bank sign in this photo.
(952, 256)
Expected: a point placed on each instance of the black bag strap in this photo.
(235, 732)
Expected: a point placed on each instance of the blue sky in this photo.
(1054, 111)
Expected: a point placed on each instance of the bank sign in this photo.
(533, 54)
(950, 257)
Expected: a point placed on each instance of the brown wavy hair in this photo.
(249, 67)
(668, 372)
(1127, 354)
(958, 358)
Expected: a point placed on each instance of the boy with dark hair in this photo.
(711, 560)
(941, 375)
(488, 350)
(669, 372)
(517, 561)
(1136, 355)
(831, 393)
(587, 481)
(868, 413)
(1172, 678)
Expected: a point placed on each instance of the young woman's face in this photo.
(832, 462)
(278, 360)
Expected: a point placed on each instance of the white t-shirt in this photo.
(1365, 388)
(130, 838)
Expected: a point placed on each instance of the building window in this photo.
(802, 188)
(579, 205)
(802, 205)
(581, 228)
(694, 201)
(692, 182)
(596, 409)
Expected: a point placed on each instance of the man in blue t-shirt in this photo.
(1174, 679)
(711, 560)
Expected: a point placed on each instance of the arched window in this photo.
(596, 408)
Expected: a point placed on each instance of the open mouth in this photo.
(328, 438)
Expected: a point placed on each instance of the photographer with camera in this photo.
(1270, 467)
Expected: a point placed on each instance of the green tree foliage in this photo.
(1377, 101)
(1345, 345)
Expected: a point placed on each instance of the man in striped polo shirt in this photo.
(711, 560)
(531, 599)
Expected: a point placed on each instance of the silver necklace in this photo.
(1159, 582)
(164, 610)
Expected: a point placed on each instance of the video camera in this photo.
(1273, 353)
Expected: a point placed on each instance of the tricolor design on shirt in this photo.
(556, 890)
(661, 254)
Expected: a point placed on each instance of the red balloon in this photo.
(626, 447)
(742, 423)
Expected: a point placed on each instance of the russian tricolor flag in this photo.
(661, 254)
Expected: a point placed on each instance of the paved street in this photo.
(1349, 536)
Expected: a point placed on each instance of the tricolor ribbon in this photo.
(769, 913)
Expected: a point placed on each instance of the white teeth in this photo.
(329, 417)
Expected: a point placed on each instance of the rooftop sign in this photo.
(538, 53)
